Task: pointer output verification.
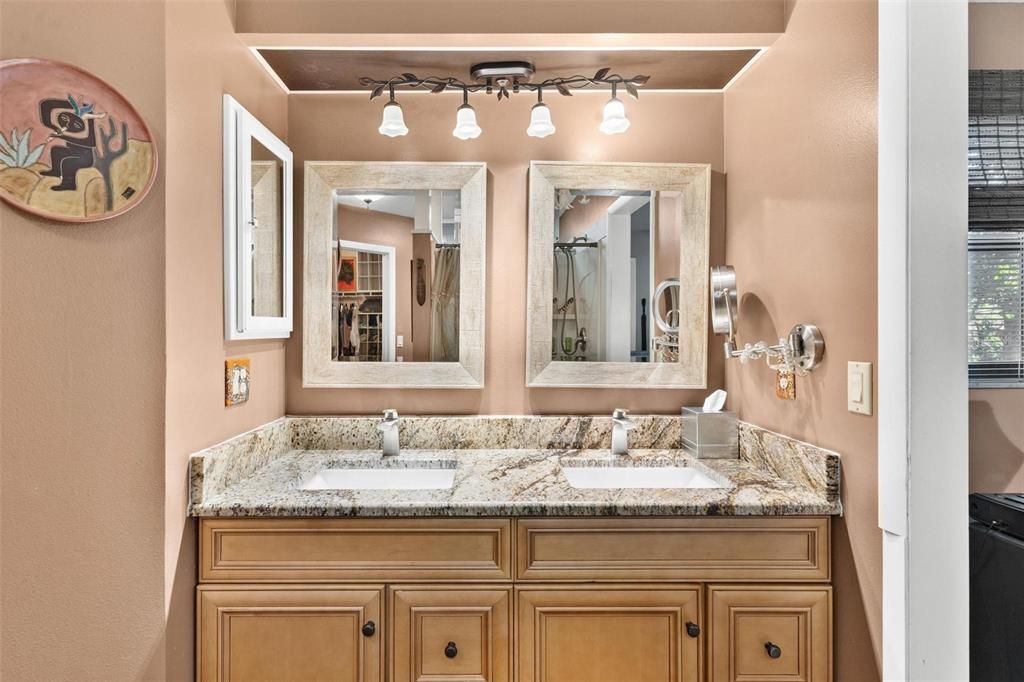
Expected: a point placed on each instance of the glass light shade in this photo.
(465, 124)
(540, 121)
(392, 123)
(614, 120)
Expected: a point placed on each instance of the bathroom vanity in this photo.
(510, 572)
(493, 549)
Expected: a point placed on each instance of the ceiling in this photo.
(396, 204)
(334, 70)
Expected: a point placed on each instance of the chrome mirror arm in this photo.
(801, 351)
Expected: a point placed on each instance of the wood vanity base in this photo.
(722, 599)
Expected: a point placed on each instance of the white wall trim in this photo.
(922, 346)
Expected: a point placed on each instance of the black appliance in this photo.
(997, 587)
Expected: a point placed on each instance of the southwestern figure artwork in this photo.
(71, 147)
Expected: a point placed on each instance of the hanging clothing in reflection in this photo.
(444, 296)
(355, 331)
(341, 336)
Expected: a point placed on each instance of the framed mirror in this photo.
(617, 285)
(257, 228)
(394, 274)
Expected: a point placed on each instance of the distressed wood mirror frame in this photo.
(322, 180)
(691, 182)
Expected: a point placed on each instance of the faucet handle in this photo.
(621, 418)
(390, 420)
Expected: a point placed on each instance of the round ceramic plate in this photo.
(72, 148)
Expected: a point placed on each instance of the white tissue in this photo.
(715, 402)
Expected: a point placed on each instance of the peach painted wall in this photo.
(996, 429)
(666, 127)
(581, 217)
(82, 366)
(509, 16)
(204, 61)
(993, 35)
(801, 155)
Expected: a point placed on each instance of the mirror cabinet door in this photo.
(624, 249)
(257, 228)
(263, 229)
(396, 254)
(615, 270)
(394, 274)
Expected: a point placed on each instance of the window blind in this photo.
(995, 306)
(995, 260)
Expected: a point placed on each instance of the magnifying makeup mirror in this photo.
(724, 304)
(670, 322)
(803, 349)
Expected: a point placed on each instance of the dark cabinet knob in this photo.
(693, 630)
(451, 651)
(369, 628)
(773, 650)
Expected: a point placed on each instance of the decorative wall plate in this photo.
(72, 148)
(236, 381)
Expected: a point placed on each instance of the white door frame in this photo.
(387, 253)
(922, 337)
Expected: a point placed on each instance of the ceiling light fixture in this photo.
(392, 122)
(505, 79)
(466, 127)
(540, 118)
(613, 120)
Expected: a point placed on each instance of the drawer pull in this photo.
(451, 651)
(369, 628)
(692, 629)
(774, 651)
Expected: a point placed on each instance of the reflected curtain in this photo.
(444, 298)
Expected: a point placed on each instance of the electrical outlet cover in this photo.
(236, 381)
(785, 385)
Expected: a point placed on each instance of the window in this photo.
(995, 259)
(995, 306)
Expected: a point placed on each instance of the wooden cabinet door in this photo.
(290, 634)
(770, 633)
(609, 634)
(450, 634)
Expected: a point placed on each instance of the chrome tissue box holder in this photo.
(710, 435)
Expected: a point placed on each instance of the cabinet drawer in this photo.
(754, 549)
(277, 633)
(354, 550)
(770, 634)
(607, 633)
(450, 634)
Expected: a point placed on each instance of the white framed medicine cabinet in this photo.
(257, 228)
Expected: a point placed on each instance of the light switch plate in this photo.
(858, 387)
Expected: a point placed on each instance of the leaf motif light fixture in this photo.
(504, 79)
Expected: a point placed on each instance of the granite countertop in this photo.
(262, 475)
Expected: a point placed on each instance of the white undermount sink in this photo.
(393, 478)
(637, 477)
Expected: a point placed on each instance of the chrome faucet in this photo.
(621, 425)
(389, 427)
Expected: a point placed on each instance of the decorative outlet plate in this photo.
(236, 381)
